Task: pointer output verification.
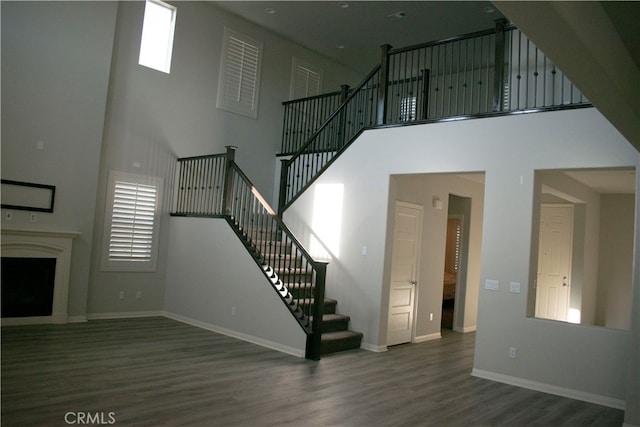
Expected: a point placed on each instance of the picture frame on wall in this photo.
(27, 196)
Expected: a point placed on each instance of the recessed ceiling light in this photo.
(340, 46)
(270, 10)
(343, 5)
(489, 9)
(398, 15)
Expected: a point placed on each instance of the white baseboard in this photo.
(235, 334)
(77, 319)
(551, 389)
(56, 319)
(429, 337)
(373, 347)
(124, 315)
(465, 329)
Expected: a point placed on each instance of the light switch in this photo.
(514, 287)
(492, 285)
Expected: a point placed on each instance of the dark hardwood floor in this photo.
(159, 372)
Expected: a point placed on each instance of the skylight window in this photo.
(156, 44)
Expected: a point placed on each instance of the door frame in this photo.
(419, 207)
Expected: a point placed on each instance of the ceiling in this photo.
(351, 32)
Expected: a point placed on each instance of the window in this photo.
(408, 109)
(156, 43)
(131, 222)
(306, 80)
(239, 83)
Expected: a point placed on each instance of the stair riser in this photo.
(335, 326)
(351, 343)
(301, 292)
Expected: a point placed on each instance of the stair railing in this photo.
(302, 117)
(214, 186)
(353, 115)
(490, 72)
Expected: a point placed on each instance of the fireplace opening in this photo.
(27, 286)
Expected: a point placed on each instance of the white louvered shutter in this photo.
(306, 80)
(132, 222)
(239, 86)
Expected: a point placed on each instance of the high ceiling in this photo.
(351, 32)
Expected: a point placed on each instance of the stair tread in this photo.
(332, 336)
(334, 317)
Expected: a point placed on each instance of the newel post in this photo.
(498, 75)
(314, 341)
(381, 115)
(284, 182)
(228, 179)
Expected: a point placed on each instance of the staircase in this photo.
(295, 285)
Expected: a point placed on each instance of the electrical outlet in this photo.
(121, 295)
(233, 311)
(33, 217)
(8, 215)
(139, 294)
(514, 287)
(512, 352)
(431, 316)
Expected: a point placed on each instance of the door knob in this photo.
(564, 281)
(413, 282)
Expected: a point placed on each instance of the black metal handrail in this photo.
(297, 278)
(353, 115)
(302, 117)
(489, 72)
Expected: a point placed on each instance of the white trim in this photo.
(235, 334)
(124, 315)
(372, 347)
(77, 319)
(550, 388)
(428, 337)
(56, 318)
(465, 329)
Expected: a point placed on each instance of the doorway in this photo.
(455, 262)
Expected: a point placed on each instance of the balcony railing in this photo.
(491, 72)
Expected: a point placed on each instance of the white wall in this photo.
(589, 361)
(56, 59)
(153, 118)
(212, 282)
(616, 260)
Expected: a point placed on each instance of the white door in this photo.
(554, 261)
(407, 235)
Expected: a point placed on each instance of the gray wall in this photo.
(615, 261)
(556, 356)
(56, 59)
(205, 289)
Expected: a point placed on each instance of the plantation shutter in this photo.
(306, 80)
(239, 84)
(132, 222)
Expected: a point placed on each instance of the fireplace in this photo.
(35, 276)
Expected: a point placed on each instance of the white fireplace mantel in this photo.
(33, 243)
